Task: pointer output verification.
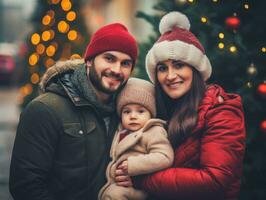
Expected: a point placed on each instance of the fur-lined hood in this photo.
(59, 68)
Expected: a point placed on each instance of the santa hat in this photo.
(112, 37)
(177, 43)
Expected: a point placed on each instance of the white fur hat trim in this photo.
(177, 50)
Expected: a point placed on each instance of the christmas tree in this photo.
(233, 34)
(58, 34)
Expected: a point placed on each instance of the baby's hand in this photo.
(121, 175)
(123, 166)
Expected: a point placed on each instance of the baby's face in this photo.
(134, 116)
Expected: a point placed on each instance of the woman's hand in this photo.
(121, 175)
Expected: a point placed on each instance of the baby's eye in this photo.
(126, 112)
(141, 111)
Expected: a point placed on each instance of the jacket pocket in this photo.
(75, 129)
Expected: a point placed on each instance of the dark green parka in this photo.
(62, 145)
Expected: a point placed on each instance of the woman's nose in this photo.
(171, 75)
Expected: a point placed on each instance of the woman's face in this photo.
(175, 77)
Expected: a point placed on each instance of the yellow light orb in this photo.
(203, 19)
(63, 27)
(40, 49)
(71, 16)
(246, 6)
(35, 39)
(252, 70)
(249, 85)
(49, 62)
(46, 35)
(66, 5)
(72, 35)
(75, 56)
(263, 49)
(190, 1)
(35, 78)
(46, 20)
(221, 35)
(33, 59)
(233, 49)
(221, 45)
(50, 51)
(215, 1)
(26, 90)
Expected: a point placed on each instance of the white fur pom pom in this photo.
(173, 19)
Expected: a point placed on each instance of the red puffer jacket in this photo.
(208, 165)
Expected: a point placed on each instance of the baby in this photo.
(140, 140)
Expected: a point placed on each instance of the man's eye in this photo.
(161, 68)
(109, 58)
(126, 63)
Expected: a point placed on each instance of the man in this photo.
(63, 138)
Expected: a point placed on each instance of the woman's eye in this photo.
(178, 64)
(162, 68)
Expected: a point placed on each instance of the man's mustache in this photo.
(114, 75)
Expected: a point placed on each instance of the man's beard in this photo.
(97, 82)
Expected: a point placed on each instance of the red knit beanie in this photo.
(178, 43)
(112, 37)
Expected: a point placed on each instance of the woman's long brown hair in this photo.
(182, 113)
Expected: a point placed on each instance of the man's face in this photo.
(108, 71)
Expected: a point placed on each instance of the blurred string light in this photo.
(40, 49)
(75, 56)
(35, 39)
(35, 78)
(63, 27)
(33, 59)
(263, 49)
(49, 62)
(203, 19)
(50, 50)
(246, 6)
(46, 20)
(215, 1)
(221, 45)
(66, 5)
(190, 1)
(71, 16)
(72, 35)
(221, 35)
(249, 84)
(252, 70)
(233, 49)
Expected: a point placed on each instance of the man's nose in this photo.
(116, 68)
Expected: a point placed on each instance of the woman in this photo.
(205, 124)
